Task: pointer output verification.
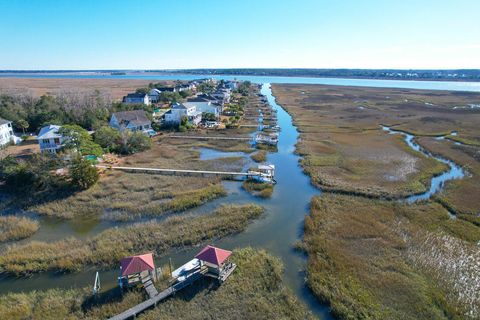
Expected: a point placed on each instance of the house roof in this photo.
(137, 264)
(136, 117)
(178, 106)
(3, 121)
(49, 132)
(136, 95)
(213, 255)
(155, 91)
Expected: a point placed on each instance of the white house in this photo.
(154, 95)
(49, 139)
(204, 106)
(178, 110)
(6, 132)
(135, 120)
(137, 98)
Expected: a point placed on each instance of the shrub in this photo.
(107, 138)
(82, 173)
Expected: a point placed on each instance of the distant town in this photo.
(399, 74)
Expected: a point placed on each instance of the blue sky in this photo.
(161, 34)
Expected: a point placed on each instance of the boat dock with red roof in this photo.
(210, 261)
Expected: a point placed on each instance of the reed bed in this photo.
(108, 247)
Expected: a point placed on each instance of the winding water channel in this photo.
(276, 232)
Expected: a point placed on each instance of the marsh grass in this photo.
(254, 291)
(364, 258)
(260, 189)
(259, 156)
(108, 247)
(16, 228)
(344, 149)
(127, 196)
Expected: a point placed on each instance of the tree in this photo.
(132, 142)
(108, 138)
(22, 123)
(78, 139)
(82, 173)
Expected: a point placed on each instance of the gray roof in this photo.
(136, 117)
(3, 121)
(136, 95)
(49, 132)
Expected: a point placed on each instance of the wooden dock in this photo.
(209, 137)
(225, 174)
(154, 300)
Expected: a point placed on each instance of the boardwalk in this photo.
(226, 174)
(153, 301)
(209, 137)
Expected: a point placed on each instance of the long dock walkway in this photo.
(132, 312)
(153, 301)
(228, 174)
(209, 137)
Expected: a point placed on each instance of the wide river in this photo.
(276, 232)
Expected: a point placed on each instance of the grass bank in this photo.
(259, 156)
(107, 248)
(254, 291)
(15, 228)
(259, 189)
(344, 148)
(374, 259)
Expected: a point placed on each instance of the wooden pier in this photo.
(209, 137)
(226, 174)
(155, 299)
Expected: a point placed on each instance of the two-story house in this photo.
(6, 132)
(49, 139)
(137, 98)
(178, 111)
(135, 120)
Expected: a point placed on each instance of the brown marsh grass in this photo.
(108, 247)
(15, 228)
(254, 291)
(344, 148)
(368, 259)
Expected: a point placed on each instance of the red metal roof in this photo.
(137, 264)
(213, 255)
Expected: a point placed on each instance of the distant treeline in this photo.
(406, 74)
(460, 74)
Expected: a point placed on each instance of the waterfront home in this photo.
(154, 95)
(135, 120)
(204, 106)
(49, 139)
(134, 269)
(137, 98)
(178, 111)
(222, 95)
(6, 132)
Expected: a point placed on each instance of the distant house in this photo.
(178, 111)
(205, 107)
(137, 98)
(49, 139)
(167, 89)
(154, 95)
(6, 132)
(135, 120)
(222, 95)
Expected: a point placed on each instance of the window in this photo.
(56, 140)
(46, 141)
